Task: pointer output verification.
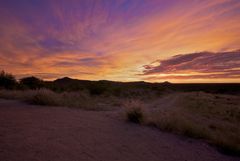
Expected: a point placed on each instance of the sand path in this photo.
(35, 133)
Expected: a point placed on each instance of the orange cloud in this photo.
(97, 40)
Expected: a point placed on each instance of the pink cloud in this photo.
(202, 65)
(111, 39)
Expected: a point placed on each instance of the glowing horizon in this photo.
(122, 40)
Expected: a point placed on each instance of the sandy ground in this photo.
(35, 133)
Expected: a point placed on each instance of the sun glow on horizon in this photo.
(119, 40)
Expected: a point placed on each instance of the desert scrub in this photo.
(68, 99)
(134, 111)
(214, 118)
(46, 97)
(9, 94)
(175, 121)
(41, 96)
(17, 94)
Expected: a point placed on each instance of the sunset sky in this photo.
(122, 40)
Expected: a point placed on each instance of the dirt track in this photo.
(35, 133)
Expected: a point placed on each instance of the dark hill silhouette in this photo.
(102, 86)
(128, 89)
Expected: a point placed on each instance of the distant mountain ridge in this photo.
(69, 84)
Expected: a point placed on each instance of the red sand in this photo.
(35, 133)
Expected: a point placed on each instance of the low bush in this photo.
(7, 80)
(31, 83)
(46, 97)
(80, 99)
(134, 111)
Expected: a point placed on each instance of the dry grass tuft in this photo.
(134, 111)
(80, 99)
(46, 97)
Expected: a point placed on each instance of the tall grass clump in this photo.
(134, 111)
(78, 99)
(67, 99)
(46, 97)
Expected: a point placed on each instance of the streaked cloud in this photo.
(112, 39)
(202, 65)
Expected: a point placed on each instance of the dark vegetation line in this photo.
(8, 81)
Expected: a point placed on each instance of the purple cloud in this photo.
(90, 62)
(203, 64)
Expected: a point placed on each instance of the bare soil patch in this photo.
(36, 133)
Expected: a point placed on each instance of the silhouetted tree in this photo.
(32, 82)
(7, 80)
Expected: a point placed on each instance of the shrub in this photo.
(32, 82)
(97, 88)
(7, 80)
(44, 97)
(135, 115)
(134, 111)
(229, 150)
